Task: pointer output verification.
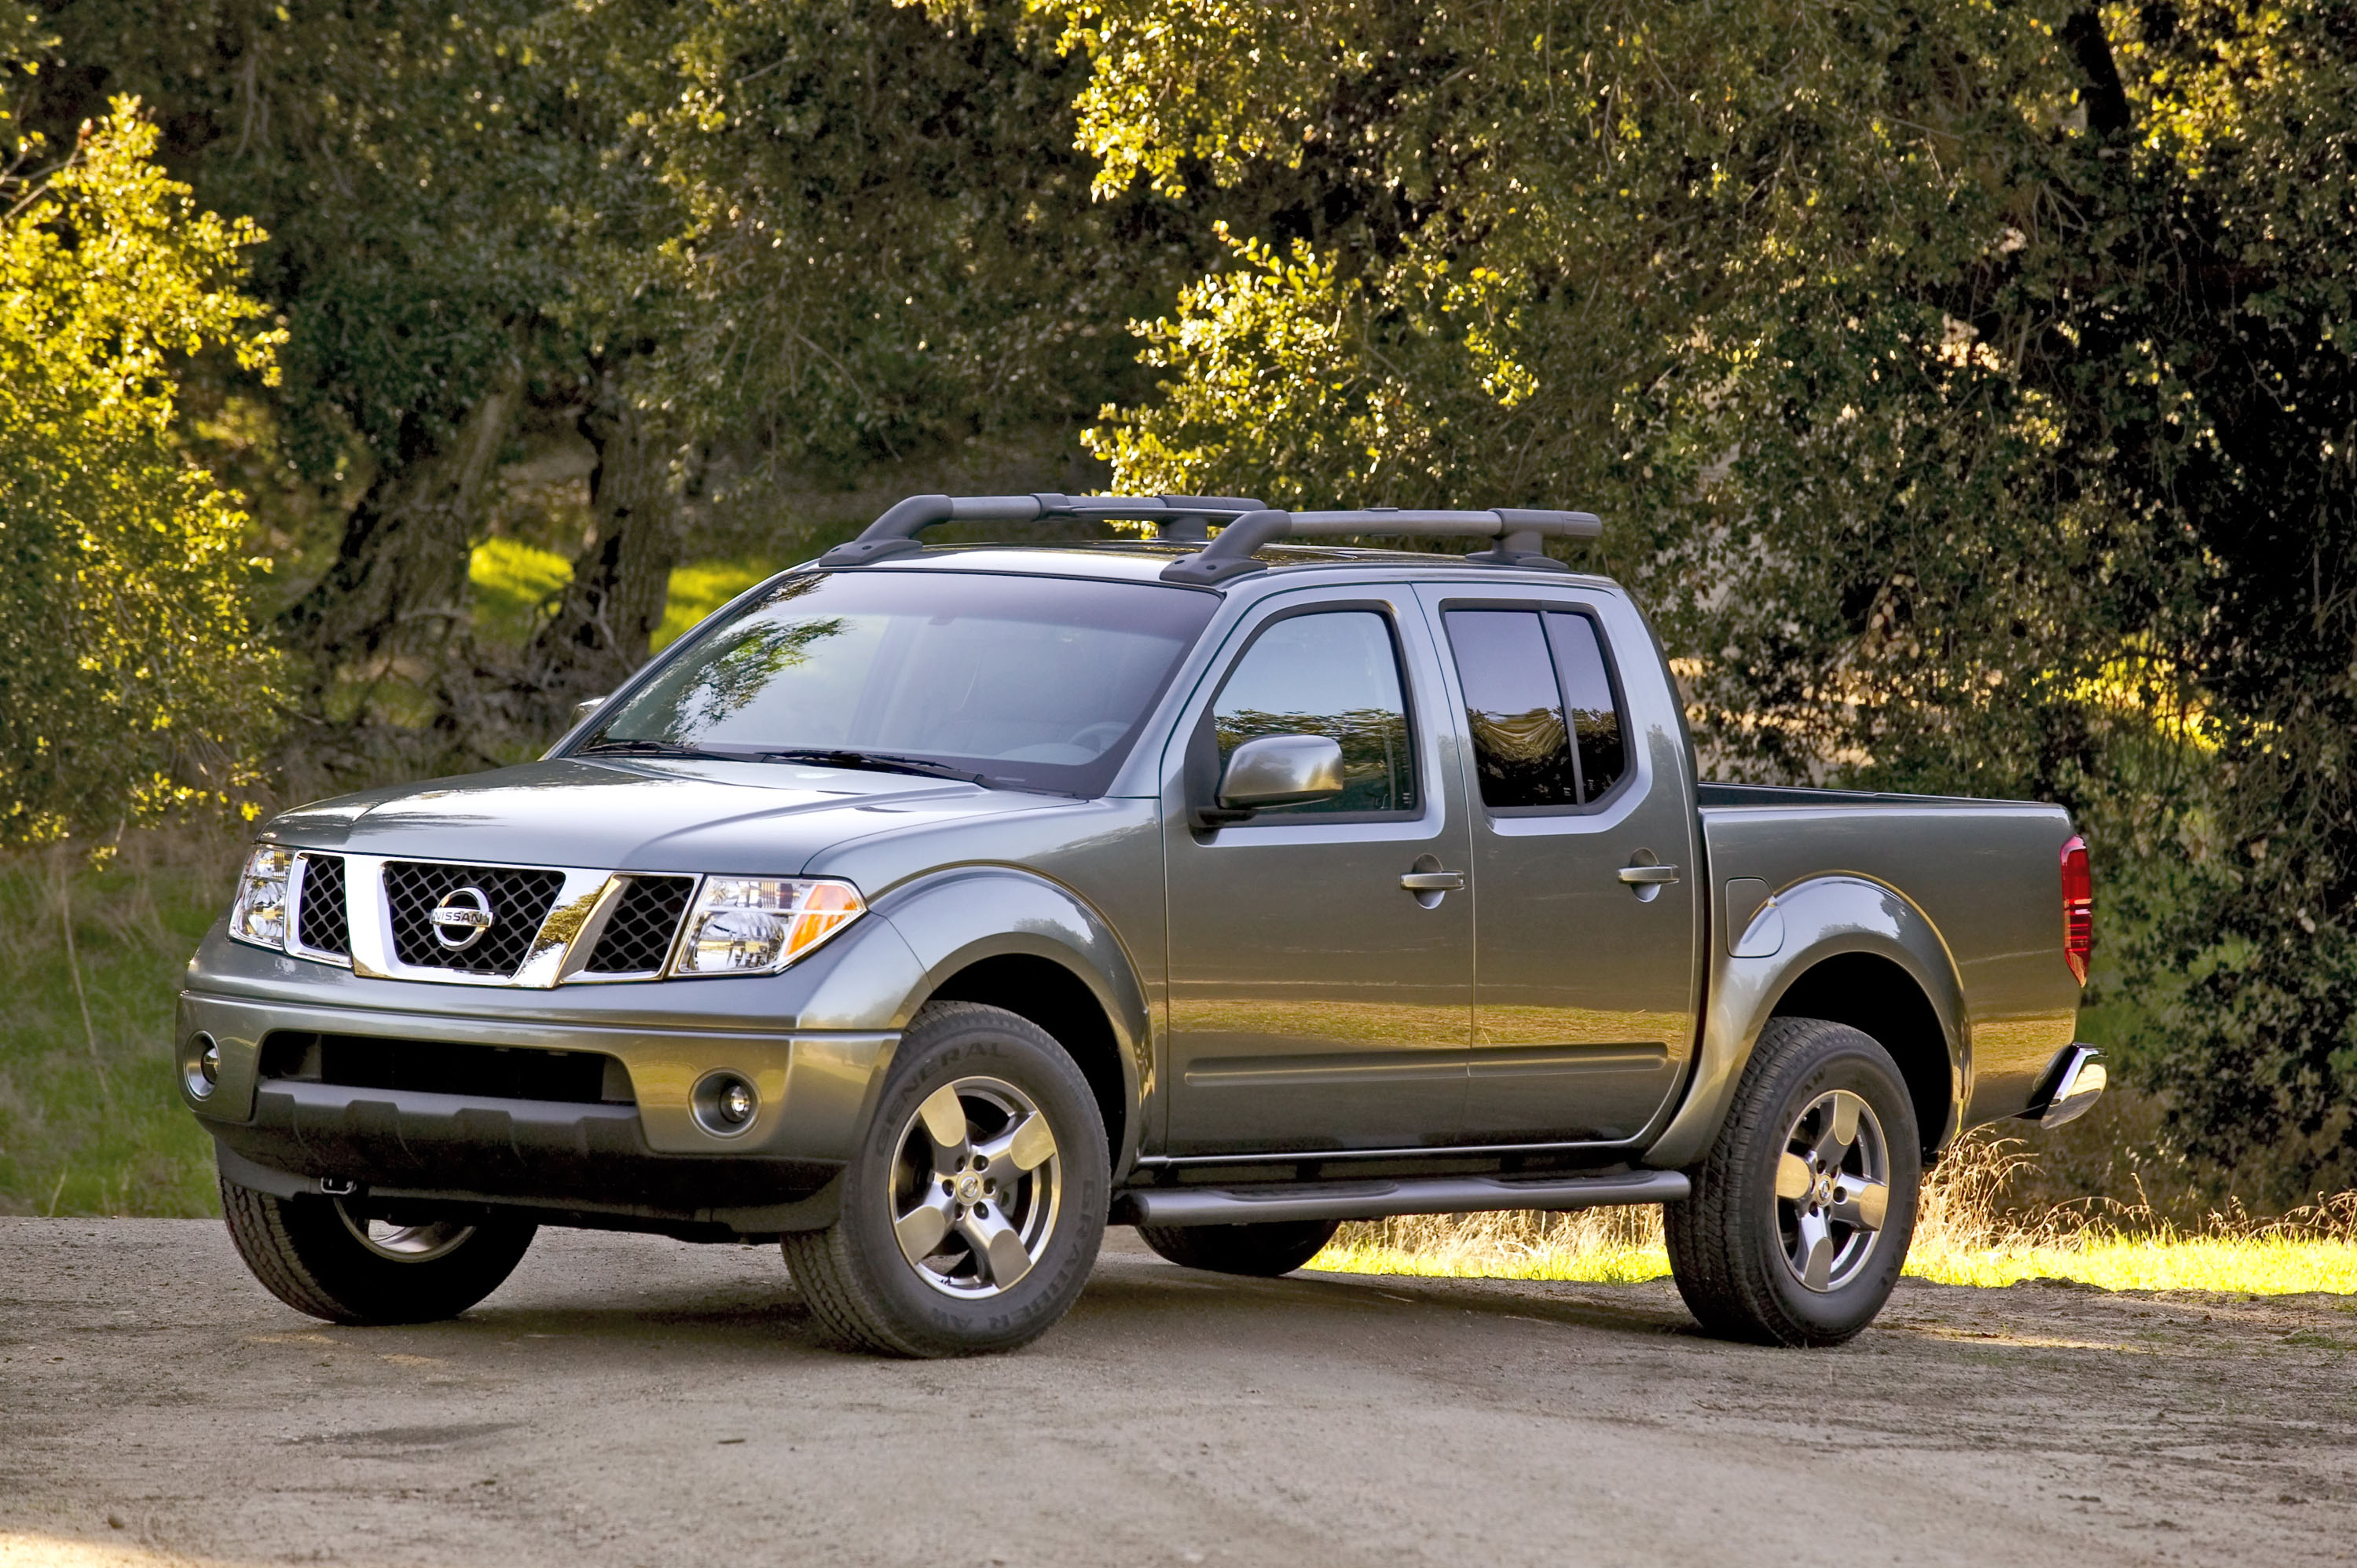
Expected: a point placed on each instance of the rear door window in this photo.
(1540, 706)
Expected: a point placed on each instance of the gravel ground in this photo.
(630, 1401)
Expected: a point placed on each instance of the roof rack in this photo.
(1517, 530)
(1248, 525)
(1182, 517)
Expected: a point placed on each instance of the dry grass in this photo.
(1967, 1234)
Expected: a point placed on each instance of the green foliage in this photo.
(131, 682)
(1968, 387)
(885, 244)
(1969, 390)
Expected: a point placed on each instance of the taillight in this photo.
(2077, 908)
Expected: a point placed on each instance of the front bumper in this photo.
(580, 1164)
(645, 1160)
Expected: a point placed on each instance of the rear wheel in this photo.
(1799, 1217)
(325, 1257)
(1266, 1250)
(973, 1209)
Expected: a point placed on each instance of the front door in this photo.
(1584, 857)
(1316, 1003)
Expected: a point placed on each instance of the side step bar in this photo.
(1381, 1200)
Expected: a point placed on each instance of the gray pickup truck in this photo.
(930, 907)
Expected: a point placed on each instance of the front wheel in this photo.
(325, 1257)
(973, 1209)
(1801, 1216)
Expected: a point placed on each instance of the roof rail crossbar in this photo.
(895, 533)
(1518, 531)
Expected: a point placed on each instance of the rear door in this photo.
(1586, 867)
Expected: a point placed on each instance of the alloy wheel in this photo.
(405, 1243)
(976, 1188)
(1832, 1190)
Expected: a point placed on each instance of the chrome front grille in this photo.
(517, 901)
(527, 926)
(637, 935)
(322, 913)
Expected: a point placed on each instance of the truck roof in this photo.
(1145, 561)
(1252, 538)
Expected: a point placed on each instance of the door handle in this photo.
(1434, 880)
(1648, 876)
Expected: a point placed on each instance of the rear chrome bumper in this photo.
(2069, 1088)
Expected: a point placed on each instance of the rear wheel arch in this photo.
(1884, 1000)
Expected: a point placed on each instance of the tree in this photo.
(731, 248)
(2001, 356)
(131, 683)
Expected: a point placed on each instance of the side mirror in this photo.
(1281, 770)
(583, 709)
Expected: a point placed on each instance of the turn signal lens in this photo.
(755, 925)
(2077, 908)
(259, 915)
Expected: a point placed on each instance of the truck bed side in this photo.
(1935, 924)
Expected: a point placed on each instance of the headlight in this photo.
(259, 916)
(752, 925)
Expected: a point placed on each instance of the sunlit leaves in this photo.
(131, 683)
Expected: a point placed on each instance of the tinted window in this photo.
(1513, 709)
(1539, 706)
(1036, 682)
(1588, 694)
(1334, 674)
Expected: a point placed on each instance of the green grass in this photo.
(90, 1119)
(702, 586)
(517, 584)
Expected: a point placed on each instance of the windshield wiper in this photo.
(872, 761)
(642, 748)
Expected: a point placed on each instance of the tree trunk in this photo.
(621, 582)
(399, 581)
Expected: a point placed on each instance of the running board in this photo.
(1381, 1200)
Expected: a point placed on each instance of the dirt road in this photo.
(632, 1401)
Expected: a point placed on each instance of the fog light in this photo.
(725, 1103)
(736, 1105)
(200, 1065)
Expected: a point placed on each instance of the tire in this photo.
(317, 1256)
(1263, 1250)
(985, 1123)
(1805, 1265)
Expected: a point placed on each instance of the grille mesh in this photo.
(519, 899)
(321, 925)
(638, 936)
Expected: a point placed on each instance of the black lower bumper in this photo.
(566, 1162)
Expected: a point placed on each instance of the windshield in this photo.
(1037, 682)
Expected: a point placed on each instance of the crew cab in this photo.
(930, 907)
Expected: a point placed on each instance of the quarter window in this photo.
(1539, 706)
(1334, 674)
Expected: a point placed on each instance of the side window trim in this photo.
(1201, 737)
(1443, 607)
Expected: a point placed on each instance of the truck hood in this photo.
(749, 818)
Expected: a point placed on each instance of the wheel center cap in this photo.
(969, 1186)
